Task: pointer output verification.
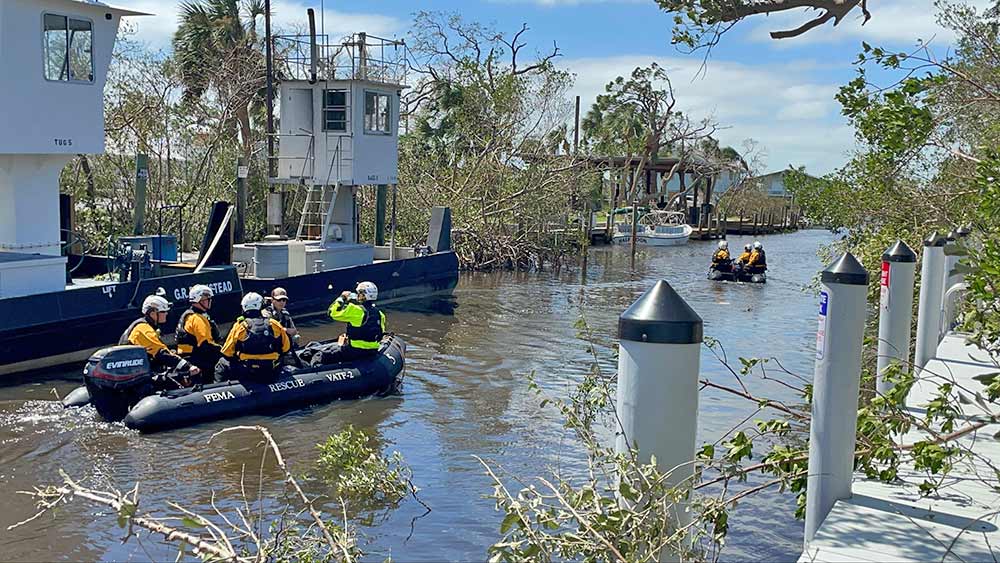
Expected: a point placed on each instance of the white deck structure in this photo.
(893, 522)
(54, 59)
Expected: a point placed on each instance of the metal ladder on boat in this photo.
(318, 205)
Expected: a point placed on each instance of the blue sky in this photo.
(778, 93)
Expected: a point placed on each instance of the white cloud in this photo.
(782, 106)
(158, 30)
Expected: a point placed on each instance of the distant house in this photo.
(773, 183)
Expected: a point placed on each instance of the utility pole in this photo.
(269, 70)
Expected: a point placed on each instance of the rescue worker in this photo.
(254, 347)
(745, 257)
(144, 332)
(276, 309)
(365, 323)
(197, 334)
(721, 260)
(758, 260)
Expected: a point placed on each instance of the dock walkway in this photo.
(961, 522)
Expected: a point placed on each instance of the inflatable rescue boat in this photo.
(119, 383)
(737, 275)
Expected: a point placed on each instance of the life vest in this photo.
(128, 331)
(368, 336)
(261, 349)
(187, 342)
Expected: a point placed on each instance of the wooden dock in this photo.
(894, 522)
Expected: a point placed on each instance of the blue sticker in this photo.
(824, 299)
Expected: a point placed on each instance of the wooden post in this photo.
(239, 228)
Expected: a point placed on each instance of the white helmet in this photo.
(757, 245)
(723, 244)
(252, 302)
(199, 292)
(368, 289)
(155, 303)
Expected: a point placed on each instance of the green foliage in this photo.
(359, 474)
(482, 137)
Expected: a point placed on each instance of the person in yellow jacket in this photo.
(757, 262)
(721, 260)
(197, 334)
(254, 347)
(365, 323)
(144, 332)
(745, 257)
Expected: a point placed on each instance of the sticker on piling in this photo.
(884, 286)
(824, 300)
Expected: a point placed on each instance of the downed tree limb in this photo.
(335, 546)
(124, 507)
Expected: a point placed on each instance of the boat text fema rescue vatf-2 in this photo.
(60, 301)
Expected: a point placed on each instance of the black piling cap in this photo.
(845, 270)
(935, 240)
(660, 316)
(964, 231)
(952, 235)
(899, 252)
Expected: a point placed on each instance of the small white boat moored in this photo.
(656, 228)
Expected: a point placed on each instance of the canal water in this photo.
(465, 395)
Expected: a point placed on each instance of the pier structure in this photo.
(902, 520)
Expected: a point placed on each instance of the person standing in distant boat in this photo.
(198, 335)
(365, 323)
(277, 309)
(145, 332)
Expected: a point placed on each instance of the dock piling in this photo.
(660, 339)
(836, 383)
(929, 305)
(954, 252)
(899, 268)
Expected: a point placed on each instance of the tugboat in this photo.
(58, 307)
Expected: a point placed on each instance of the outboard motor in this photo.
(117, 378)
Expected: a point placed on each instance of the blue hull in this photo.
(50, 325)
(398, 279)
(41, 331)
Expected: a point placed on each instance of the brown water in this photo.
(464, 395)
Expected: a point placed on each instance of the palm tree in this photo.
(219, 54)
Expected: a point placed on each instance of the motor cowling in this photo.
(117, 378)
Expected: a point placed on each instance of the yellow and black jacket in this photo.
(256, 342)
(142, 333)
(365, 323)
(198, 339)
(758, 260)
(744, 258)
(721, 255)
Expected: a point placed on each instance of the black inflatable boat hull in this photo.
(302, 388)
(716, 275)
(294, 389)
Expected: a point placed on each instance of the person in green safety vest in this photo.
(365, 323)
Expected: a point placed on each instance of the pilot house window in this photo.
(377, 113)
(69, 49)
(335, 110)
